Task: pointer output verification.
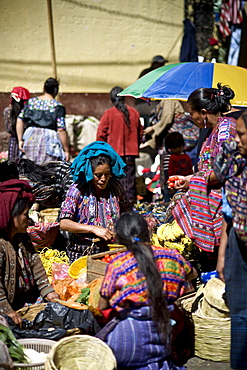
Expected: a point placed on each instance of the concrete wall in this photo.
(99, 44)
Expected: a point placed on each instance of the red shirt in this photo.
(113, 130)
(180, 164)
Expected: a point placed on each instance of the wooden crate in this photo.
(96, 269)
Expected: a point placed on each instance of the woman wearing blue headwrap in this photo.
(94, 201)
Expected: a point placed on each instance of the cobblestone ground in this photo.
(197, 363)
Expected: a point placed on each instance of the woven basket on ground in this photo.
(80, 352)
(212, 337)
(207, 313)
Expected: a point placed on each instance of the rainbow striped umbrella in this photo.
(178, 81)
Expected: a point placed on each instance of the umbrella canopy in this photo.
(178, 81)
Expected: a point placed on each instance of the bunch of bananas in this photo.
(170, 232)
(170, 235)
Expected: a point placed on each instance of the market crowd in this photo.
(201, 180)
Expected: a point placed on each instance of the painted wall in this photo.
(99, 43)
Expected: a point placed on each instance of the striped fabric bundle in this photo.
(230, 12)
(199, 213)
(206, 213)
(43, 234)
(49, 182)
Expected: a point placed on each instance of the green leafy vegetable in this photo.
(14, 347)
(84, 296)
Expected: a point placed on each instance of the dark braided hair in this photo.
(118, 102)
(213, 100)
(132, 231)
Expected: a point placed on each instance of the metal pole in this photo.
(52, 43)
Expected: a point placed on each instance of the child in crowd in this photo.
(175, 161)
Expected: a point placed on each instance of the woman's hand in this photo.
(220, 267)
(75, 227)
(178, 182)
(67, 156)
(103, 233)
(148, 130)
(15, 317)
(52, 296)
(20, 145)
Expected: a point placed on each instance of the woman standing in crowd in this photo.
(202, 220)
(121, 128)
(22, 275)
(45, 138)
(230, 168)
(141, 285)
(94, 201)
(19, 96)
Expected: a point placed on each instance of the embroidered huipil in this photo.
(198, 213)
(125, 285)
(83, 206)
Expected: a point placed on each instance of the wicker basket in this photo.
(211, 334)
(80, 352)
(39, 345)
(30, 312)
(212, 337)
(213, 302)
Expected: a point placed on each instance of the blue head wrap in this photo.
(81, 168)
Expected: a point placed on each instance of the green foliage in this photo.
(14, 347)
(84, 296)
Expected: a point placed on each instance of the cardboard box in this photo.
(95, 268)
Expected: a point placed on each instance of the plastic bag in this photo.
(55, 322)
(68, 289)
(59, 271)
(94, 296)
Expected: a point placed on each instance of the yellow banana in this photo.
(186, 240)
(177, 231)
(167, 232)
(164, 232)
(155, 240)
(174, 245)
(159, 231)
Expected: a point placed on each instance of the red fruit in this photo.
(173, 178)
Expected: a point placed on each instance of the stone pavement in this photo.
(197, 363)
